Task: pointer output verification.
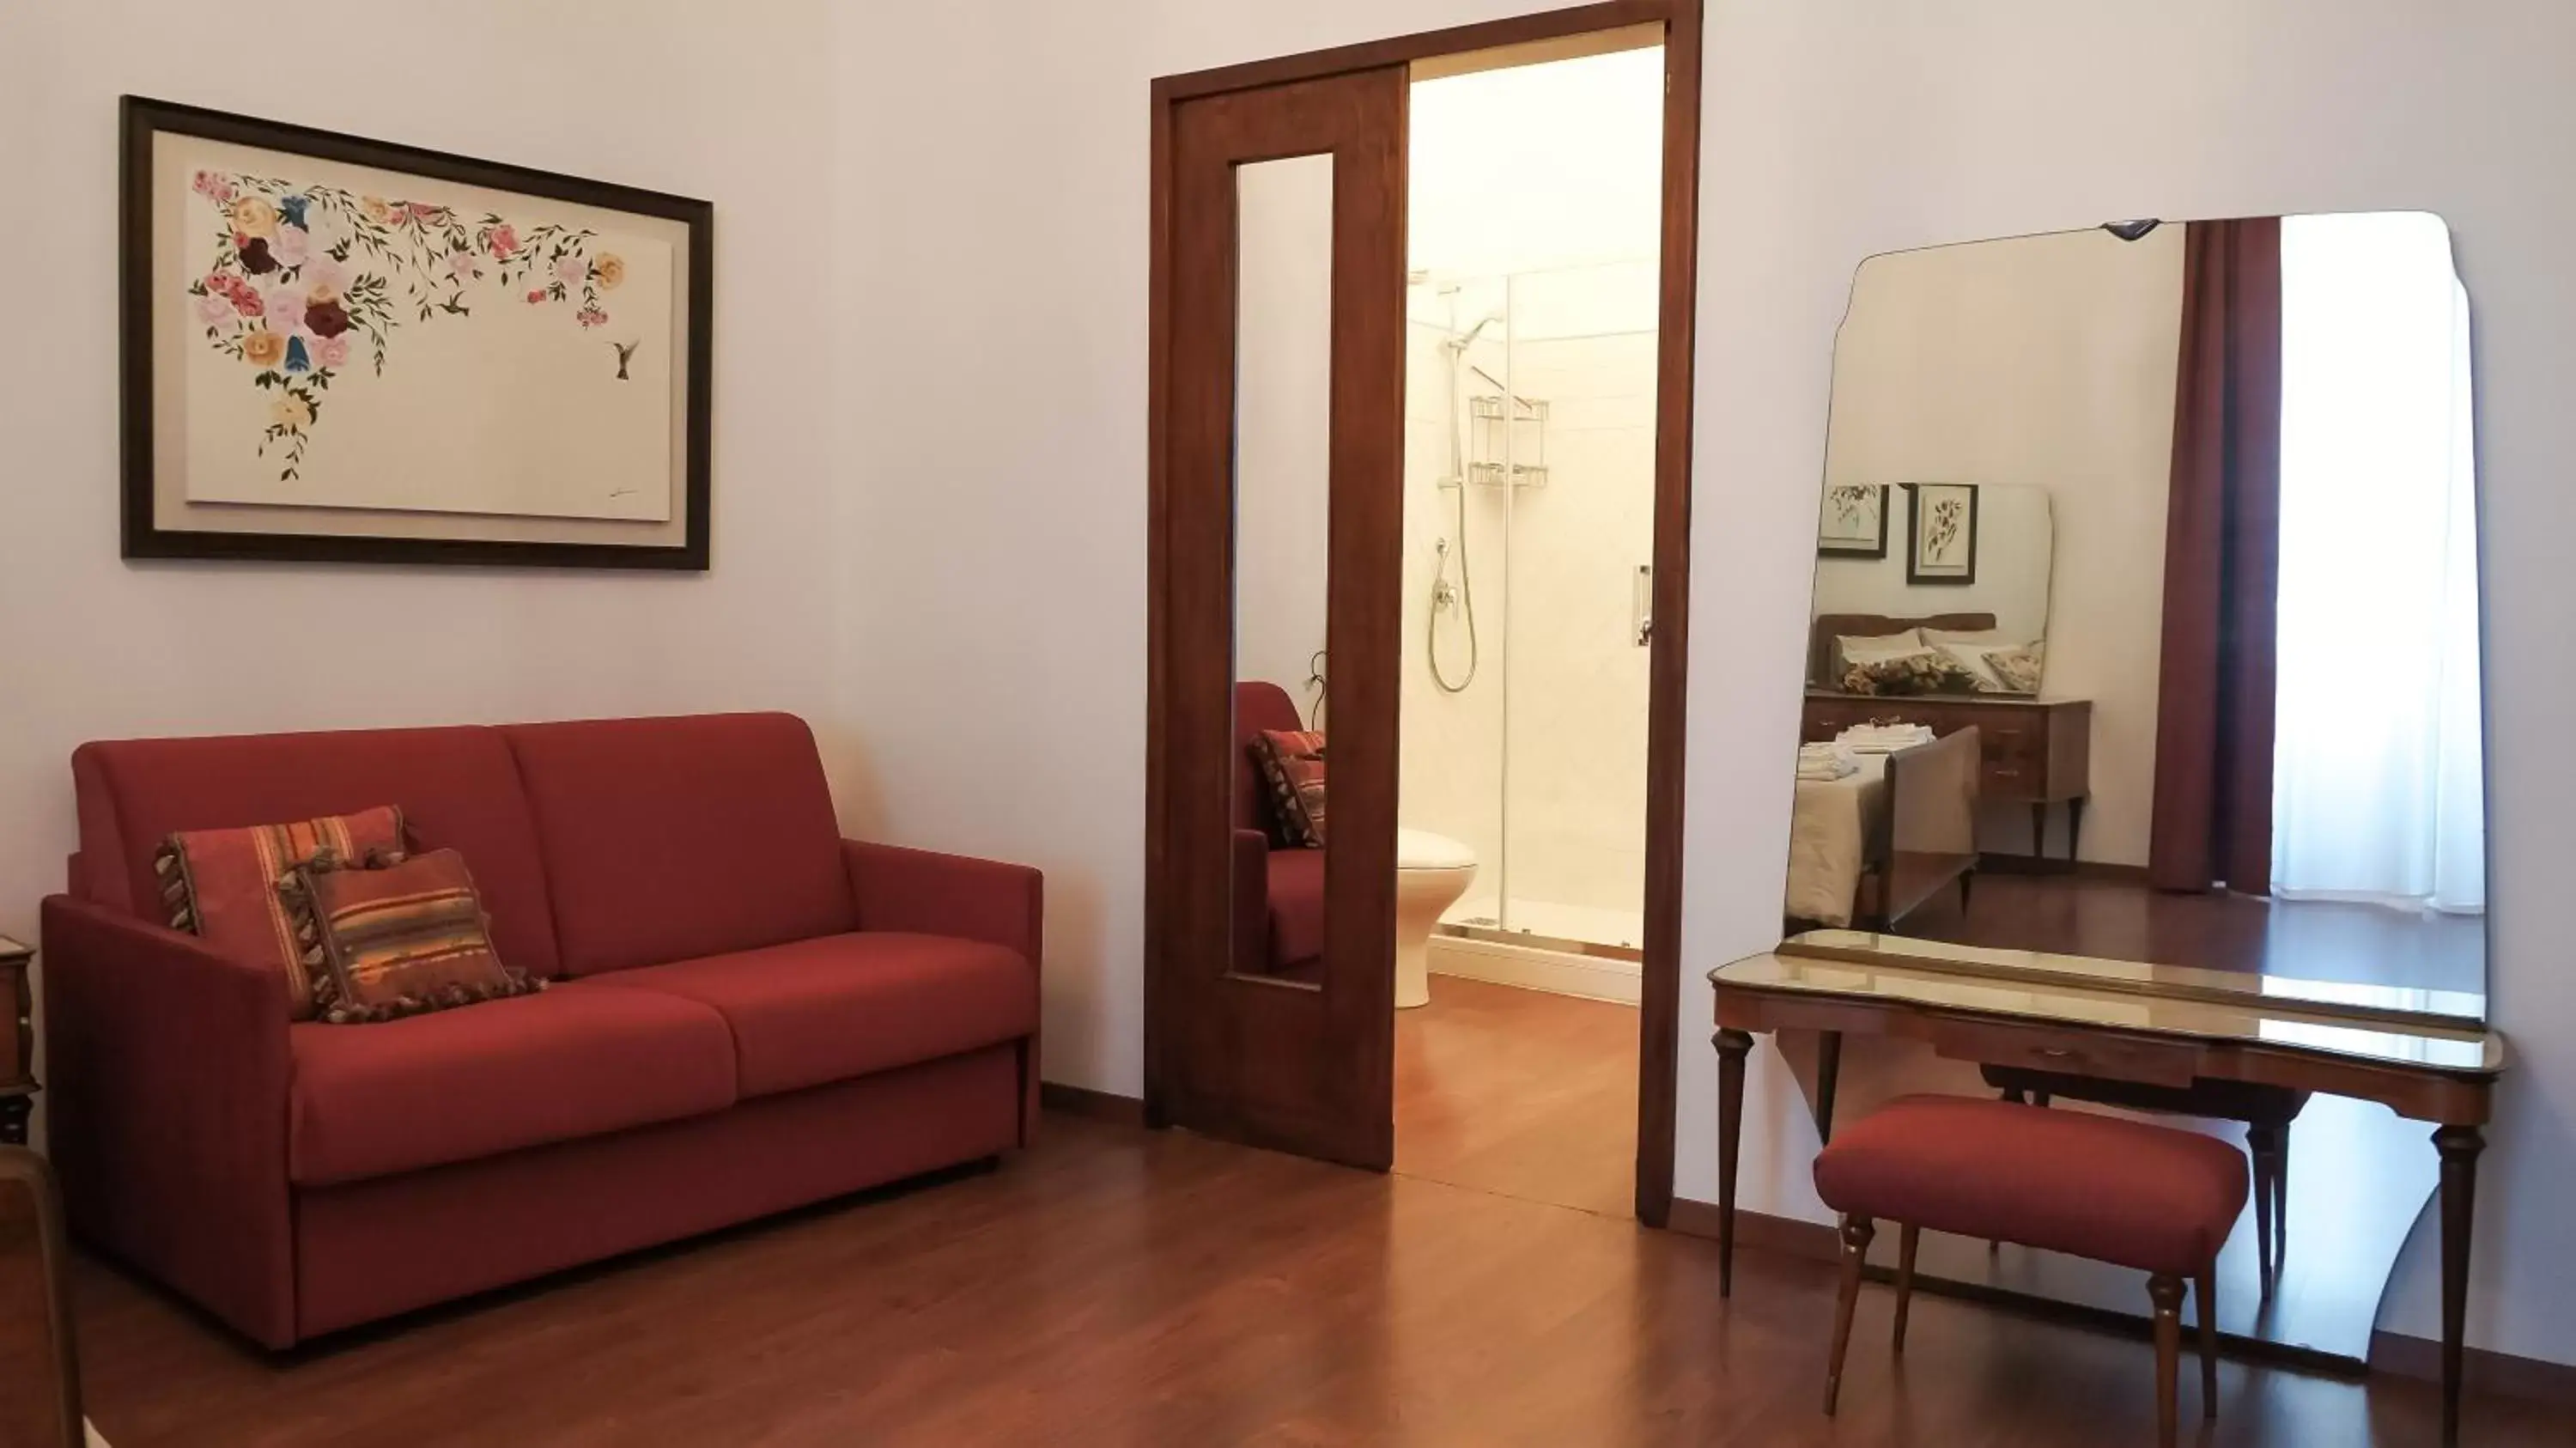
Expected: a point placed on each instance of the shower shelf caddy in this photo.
(1495, 435)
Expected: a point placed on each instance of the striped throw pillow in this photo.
(404, 938)
(1292, 760)
(223, 886)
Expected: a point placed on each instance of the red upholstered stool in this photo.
(2149, 1197)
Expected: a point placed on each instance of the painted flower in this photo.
(254, 255)
(610, 268)
(297, 358)
(326, 319)
(213, 187)
(464, 266)
(290, 246)
(592, 317)
(214, 308)
(291, 412)
(330, 350)
(375, 210)
(536, 296)
(503, 239)
(253, 216)
(325, 280)
(426, 214)
(263, 349)
(285, 308)
(245, 297)
(291, 209)
(571, 270)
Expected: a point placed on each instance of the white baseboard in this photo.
(1561, 972)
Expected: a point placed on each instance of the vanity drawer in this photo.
(2078, 1053)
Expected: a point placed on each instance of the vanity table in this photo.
(2417, 1052)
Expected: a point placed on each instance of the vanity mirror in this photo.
(2145, 620)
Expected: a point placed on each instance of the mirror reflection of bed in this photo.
(2145, 629)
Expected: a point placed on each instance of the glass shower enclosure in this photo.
(1529, 526)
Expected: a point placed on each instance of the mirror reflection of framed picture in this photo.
(1854, 522)
(1941, 533)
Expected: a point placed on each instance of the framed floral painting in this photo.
(350, 350)
(1941, 533)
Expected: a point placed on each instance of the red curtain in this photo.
(2213, 788)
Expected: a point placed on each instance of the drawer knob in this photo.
(2057, 1053)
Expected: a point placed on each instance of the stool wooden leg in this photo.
(2204, 1299)
(1905, 1243)
(1856, 1234)
(2166, 1292)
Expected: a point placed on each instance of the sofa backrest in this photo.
(666, 839)
(457, 787)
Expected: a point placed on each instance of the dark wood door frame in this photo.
(1659, 1016)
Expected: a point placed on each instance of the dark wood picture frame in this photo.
(1659, 1016)
(1914, 537)
(142, 119)
(1828, 548)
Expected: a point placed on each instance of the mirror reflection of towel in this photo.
(1883, 738)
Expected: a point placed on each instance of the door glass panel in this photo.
(1283, 376)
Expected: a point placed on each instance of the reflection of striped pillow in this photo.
(1292, 760)
(406, 938)
(222, 885)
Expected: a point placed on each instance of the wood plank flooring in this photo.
(1119, 1287)
(1519, 1092)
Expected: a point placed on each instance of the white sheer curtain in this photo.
(2377, 771)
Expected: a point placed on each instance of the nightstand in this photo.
(17, 1043)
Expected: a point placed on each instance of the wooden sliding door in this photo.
(1279, 377)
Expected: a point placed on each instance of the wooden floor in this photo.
(1118, 1287)
(2120, 920)
(1520, 1093)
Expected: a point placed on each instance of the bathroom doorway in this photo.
(1534, 216)
(1312, 580)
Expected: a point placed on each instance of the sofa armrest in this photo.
(166, 1102)
(1251, 904)
(929, 893)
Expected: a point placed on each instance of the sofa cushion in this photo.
(230, 888)
(402, 938)
(850, 1005)
(671, 839)
(1296, 906)
(456, 787)
(369, 1101)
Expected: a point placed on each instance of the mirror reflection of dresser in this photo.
(2176, 526)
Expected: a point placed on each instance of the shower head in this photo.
(1462, 342)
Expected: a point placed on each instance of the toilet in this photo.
(1431, 872)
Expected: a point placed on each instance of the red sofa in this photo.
(752, 1013)
(1278, 893)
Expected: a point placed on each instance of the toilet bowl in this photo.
(1431, 872)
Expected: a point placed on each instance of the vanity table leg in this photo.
(2459, 1146)
(1829, 1069)
(2074, 827)
(1732, 1048)
(2038, 830)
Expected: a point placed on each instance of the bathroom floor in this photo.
(1519, 1093)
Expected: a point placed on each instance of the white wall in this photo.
(725, 105)
(1000, 550)
(2047, 361)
